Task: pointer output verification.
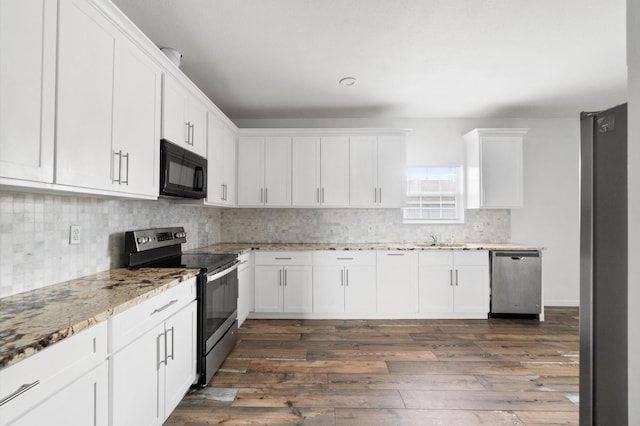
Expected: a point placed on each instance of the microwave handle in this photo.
(198, 179)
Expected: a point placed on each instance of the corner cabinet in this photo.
(283, 282)
(454, 283)
(107, 106)
(495, 168)
(27, 89)
(264, 171)
(377, 171)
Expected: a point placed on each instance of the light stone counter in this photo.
(241, 248)
(33, 320)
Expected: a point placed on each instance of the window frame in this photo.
(459, 197)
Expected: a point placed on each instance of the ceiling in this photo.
(411, 58)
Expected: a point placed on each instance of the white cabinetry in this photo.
(107, 115)
(283, 282)
(27, 89)
(245, 287)
(66, 383)
(454, 282)
(377, 176)
(494, 168)
(320, 171)
(397, 287)
(221, 155)
(264, 171)
(344, 282)
(155, 342)
(184, 117)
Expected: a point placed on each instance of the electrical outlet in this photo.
(479, 227)
(74, 234)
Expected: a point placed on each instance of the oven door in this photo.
(220, 306)
(182, 173)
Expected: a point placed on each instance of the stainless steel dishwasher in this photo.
(516, 282)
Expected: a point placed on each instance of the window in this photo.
(434, 195)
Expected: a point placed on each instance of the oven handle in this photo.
(222, 273)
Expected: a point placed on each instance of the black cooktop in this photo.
(207, 262)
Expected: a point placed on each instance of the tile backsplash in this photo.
(34, 234)
(34, 231)
(355, 226)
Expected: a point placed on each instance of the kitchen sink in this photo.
(441, 245)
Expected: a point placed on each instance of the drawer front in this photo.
(344, 258)
(475, 257)
(283, 258)
(436, 258)
(135, 321)
(48, 371)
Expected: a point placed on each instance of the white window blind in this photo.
(434, 195)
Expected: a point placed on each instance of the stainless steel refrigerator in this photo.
(603, 267)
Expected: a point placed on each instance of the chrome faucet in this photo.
(434, 238)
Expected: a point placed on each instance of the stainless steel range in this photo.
(217, 289)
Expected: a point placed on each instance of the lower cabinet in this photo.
(64, 384)
(397, 287)
(245, 287)
(344, 282)
(153, 364)
(283, 282)
(454, 282)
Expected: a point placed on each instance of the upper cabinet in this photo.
(320, 167)
(107, 106)
(264, 171)
(184, 117)
(27, 89)
(495, 168)
(376, 170)
(221, 154)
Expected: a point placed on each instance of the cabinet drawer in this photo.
(344, 257)
(135, 321)
(436, 257)
(283, 258)
(51, 369)
(476, 257)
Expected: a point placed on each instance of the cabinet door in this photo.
(471, 289)
(84, 112)
(397, 286)
(277, 171)
(198, 120)
(215, 160)
(306, 171)
(174, 112)
(334, 172)
(245, 287)
(180, 330)
(251, 171)
(391, 161)
(83, 402)
(27, 89)
(360, 289)
(229, 166)
(362, 170)
(436, 288)
(139, 401)
(136, 120)
(268, 289)
(328, 289)
(298, 290)
(501, 170)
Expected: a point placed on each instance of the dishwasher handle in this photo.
(516, 255)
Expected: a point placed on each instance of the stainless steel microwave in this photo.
(182, 173)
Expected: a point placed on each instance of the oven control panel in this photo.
(149, 239)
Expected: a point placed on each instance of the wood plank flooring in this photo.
(400, 372)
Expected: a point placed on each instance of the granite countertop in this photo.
(242, 248)
(33, 320)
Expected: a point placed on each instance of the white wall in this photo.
(633, 62)
(549, 218)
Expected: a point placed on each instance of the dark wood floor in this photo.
(401, 372)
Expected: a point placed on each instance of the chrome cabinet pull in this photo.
(119, 155)
(456, 277)
(125, 182)
(451, 277)
(285, 277)
(347, 280)
(266, 195)
(172, 342)
(342, 278)
(22, 389)
(161, 359)
(395, 254)
(280, 277)
(155, 311)
(187, 128)
(318, 195)
(282, 258)
(344, 258)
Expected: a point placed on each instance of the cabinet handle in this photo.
(22, 389)
(375, 195)
(126, 182)
(172, 342)
(342, 278)
(266, 195)
(187, 127)
(161, 359)
(451, 277)
(280, 277)
(119, 155)
(155, 311)
(347, 274)
(225, 191)
(344, 258)
(318, 195)
(285, 277)
(282, 258)
(380, 195)
(456, 277)
(395, 254)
